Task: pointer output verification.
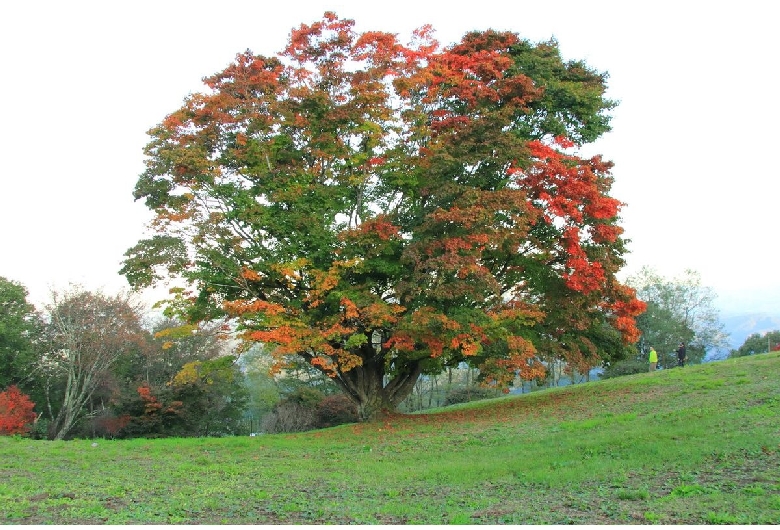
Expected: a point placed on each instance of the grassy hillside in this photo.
(683, 446)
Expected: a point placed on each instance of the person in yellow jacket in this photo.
(653, 359)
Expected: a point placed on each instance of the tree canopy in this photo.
(758, 343)
(384, 210)
(19, 327)
(678, 310)
(86, 334)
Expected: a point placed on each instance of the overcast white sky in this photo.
(694, 138)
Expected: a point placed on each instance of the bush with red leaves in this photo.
(16, 412)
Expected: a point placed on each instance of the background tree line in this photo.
(678, 310)
(758, 343)
(93, 365)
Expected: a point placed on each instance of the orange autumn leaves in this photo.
(425, 331)
(556, 186)
(356, 201)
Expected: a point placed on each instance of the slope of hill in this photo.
(697, 445)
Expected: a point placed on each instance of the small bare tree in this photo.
(87, 332)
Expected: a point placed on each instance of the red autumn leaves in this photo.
(16, 412)
(359, 202)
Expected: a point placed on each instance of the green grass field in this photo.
(698, 445)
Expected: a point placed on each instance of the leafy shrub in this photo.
(289, 417)
(336, 410)
(16, 412)
(468, 393)
(108, 424)
(204, 398)
(626, 367)
(40, 429)
(297, 412)
(305, 396)
(308, 408)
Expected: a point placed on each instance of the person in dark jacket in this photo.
(681, 355)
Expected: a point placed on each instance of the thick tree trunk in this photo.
(366, 386)
(371, 406)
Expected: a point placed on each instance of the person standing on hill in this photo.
(653, 359)
(681, 355)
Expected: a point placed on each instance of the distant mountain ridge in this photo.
(741, 326)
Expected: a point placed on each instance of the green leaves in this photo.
(572, 103)
(355, 187)
(19, 325)
(144, 261)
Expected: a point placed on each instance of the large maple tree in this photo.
(384, 210)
